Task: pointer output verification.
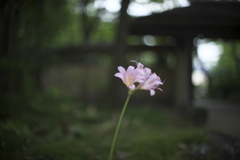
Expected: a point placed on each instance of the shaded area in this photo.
(209, 18)
(223, 116)
(66, 130)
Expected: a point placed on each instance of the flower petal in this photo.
(152, 92)
(139, 65)
(120, 75)
(130, 69)
(122, 70)
(132, 87)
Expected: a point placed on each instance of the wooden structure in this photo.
(210, 19)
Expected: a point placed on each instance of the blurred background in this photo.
(57, 64)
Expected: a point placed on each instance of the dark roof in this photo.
(211, 19)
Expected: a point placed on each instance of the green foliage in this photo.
(47, 24)
(14, 136)
(226, 74)
(105, 32)
(55, 127)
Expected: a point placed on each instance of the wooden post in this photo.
(183, 75)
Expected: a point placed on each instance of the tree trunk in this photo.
(8, 34)
(116, 87)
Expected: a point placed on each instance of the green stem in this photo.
(118, 126)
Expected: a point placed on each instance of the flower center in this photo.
(128, 81)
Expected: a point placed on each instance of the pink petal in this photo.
(140, 80)
(122, 70)
(120, 75)
(139, 65)
(152, 92)
(147, 72)
(130, 69)
(150, 79)
(132, 87)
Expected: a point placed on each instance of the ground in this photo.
(53, 128)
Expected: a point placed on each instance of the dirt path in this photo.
(222, 116)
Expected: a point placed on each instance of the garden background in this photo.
(60, 100)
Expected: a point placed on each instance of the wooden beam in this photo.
(140, 48)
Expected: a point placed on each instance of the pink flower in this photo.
(144, 76)
(151, 82)
(130, 76)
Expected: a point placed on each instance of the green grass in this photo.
(65, 130)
